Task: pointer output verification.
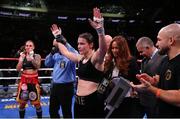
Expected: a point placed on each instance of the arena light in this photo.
(62, 17)
(81, 18)
(118, 20)
(119, 15)
(24, 14)
(132, 21)
(25, 8)
(115, 20)
(6, 13)
(33, 5)
(158, 21)
(19, 14)
(113, 11)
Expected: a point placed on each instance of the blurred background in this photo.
(21, 20)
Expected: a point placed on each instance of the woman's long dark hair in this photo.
(124, 55)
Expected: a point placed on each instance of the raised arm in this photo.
(61, 45)
(98, 25)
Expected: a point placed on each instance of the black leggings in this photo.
(61, 95)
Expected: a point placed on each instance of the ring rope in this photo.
(2, 58)
(40, 77)
(16, 85)
(13, 59)
(41, 69)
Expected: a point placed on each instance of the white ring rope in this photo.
(41, 69)
(14, 86)
(40, 77)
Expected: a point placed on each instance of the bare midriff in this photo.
(30, 71)
(86, 87)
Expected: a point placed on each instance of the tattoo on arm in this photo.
(37, 61)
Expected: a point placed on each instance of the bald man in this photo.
(108, 40)
(168, 79)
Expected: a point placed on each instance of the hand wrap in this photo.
(54, 50)
(99, 30)
(60, 38)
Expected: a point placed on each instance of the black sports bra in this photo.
(88, 72)
(27, 64)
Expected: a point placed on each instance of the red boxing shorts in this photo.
(28, 89)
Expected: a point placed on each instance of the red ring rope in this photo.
(13, 59)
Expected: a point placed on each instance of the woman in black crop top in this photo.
(90, 68)
(28, 88)
(120, 62)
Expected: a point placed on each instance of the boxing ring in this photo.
(9, 108)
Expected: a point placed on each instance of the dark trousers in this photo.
(151, 112)
(129, 108)
(61, 95)
(91, 106)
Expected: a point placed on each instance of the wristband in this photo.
(98, 20)
(158, 93)
(61, 39)
(100, 31)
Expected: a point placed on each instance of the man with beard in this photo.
(168, 78)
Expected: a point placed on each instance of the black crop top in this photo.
(27, 64)
(88, 72)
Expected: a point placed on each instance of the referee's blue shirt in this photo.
(64, 70)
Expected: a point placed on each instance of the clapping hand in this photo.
(153, 80)
(145, 82)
